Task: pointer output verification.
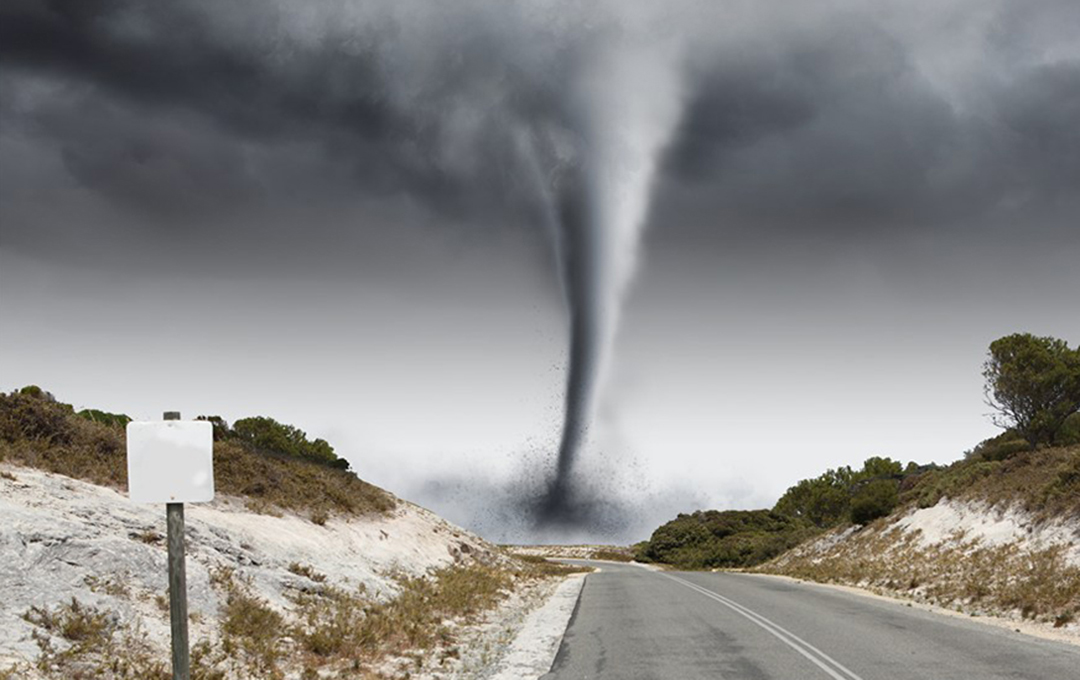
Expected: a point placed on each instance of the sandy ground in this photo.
(952, 520)
(63, 538)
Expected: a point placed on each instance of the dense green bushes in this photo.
(732, 538)
(845, 494)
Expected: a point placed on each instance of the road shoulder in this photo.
(1034, 629)
(533, 650)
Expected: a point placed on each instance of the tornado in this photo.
(625, 104)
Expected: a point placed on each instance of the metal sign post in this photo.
(171, 462)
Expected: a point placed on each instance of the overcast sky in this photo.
(316, 211)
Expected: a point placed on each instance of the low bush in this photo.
(104, 417)
(1001, 447)
(94, 645)
(267, 434)
(731, 538)
(337, 623)
(1069, 434)
(875, 499)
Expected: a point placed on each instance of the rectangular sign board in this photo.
(170, 461)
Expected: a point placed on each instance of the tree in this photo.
(843, 493)
(1033, 385)
(823, 500)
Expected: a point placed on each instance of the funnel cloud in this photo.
(624, 108)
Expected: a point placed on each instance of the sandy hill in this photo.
(296, 570)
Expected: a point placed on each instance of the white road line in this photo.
(787, 637)
(784, 631)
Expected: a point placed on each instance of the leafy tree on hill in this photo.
(823, 500)
(1033, 384)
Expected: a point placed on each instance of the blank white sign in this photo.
(170, 461)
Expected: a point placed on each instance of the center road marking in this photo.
(822, 660)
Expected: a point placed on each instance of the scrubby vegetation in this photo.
(38, 430)
(267, 434)
(327, 629)
(1044, 482)
(732, 538)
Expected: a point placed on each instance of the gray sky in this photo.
(317, 212)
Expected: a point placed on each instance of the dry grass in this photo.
(538, 566)
(48, 435)
(307, 572)
(92, 645)
(110, 585)
(328, 630)
(332, 630)
(960, 574)
(295, 484)
(613, 554)
(252, 631)
(343, 626)
(1044, 482)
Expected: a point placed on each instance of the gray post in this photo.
(178, 613)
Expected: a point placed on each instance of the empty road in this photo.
(636, 624)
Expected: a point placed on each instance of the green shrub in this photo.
(825, 501)
(269, 435)
(732, 538)
(104, 417)
(1069, 434)
(873, 500)
(1000, 447)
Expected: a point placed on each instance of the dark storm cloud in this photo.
(196, 109)
(847, 133)
(135, 89)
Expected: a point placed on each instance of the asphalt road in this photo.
(636, 624)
